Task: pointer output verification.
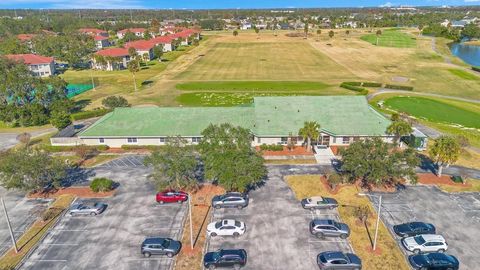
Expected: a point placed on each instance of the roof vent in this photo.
(298, 110)
(275, 107)
(268, 120)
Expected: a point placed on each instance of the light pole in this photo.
(9, 226)
(378, 215)
(190, 214)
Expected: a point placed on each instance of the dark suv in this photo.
(230, 200)
(235, 258)
(328, 227)
(160, 246)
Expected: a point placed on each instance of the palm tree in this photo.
(309, 131)
(347, 32)
(305, 29)
(319, 32)
(378, 34)
(134, 67)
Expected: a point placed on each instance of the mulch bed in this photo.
(81, 192)
(327, 187)
(296, 151)
(432, 179)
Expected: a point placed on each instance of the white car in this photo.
(425, 243)
(226, 227)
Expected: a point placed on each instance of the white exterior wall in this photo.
(149, 52)
(122, 64)
(42, 70)
(167, 47)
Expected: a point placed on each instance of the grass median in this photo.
(388, 254)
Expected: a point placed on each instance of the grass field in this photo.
(435, 111)
(252, 86)
(391, 38)
(464, 74)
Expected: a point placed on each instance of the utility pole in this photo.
(9, 226)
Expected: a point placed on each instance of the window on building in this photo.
(163, 140)
(132, 140)
(346, 140)
(196, 139)
(259, 140)
(34, 67)
(284, 140)
(101, 140)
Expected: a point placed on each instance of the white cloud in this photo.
(387, 4)
(83, 4)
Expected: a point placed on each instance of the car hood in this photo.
(175, 245)
(211, 226)
(417, 260)
(402, 228)
(410, 241)
(208, 258)
(354, 259)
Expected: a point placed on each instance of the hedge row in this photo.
(89, 114)
(51, 148)
(371, 84)
(271, 147)
(476, 69)
(399, 87)
(361, 90)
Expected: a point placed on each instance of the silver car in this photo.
(333, 260)
(319, 203)
(87, 209)
(329, 228)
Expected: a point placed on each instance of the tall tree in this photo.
(235, 33)
(29, 169)
(378, 34)
(445, 151)
(331, 34)
(305, 29)
(158, 52)
(175, 165)
(375, 162)
(310, 131)
(398, 129)
(319, 32)
(134, 67)
(12, 45)
(229, 158)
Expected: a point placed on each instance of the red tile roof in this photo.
(30, 59)
(115, 52)
(185, 33)
(161, 40)
(26, 37)
(142, 45)
(97, 38)
(91, 31)
(133, 30)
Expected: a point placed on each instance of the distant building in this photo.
(113, 59)
(139, 32)
(93, 32)
(165, 41)
(144, 48)
(40, 66)
(102, 42)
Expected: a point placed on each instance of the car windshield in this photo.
(336, 224)
(218, 225)
(419, 239)
(216, 255)
(166, 243)
(322, 259)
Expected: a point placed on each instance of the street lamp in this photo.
(190, 214)
(378, 215)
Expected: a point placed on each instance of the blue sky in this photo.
(212, 4)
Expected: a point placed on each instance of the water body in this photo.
(470, 54)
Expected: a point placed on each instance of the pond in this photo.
(470, 54)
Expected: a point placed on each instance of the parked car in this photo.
(226, 227)
(434, 261)
(328, 227)
(230, 200)
(319, 203)
(160, 246)
(169, 196)
(221, 258)
(413, 228)
(425, 243)
(87, 209)
(338, 260)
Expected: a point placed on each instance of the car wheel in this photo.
(416, 251)
(213, 234)
(343, 236)
(93, 214)
(319, 235)
(169, 254)
(211, 267)
(236, 266)
(236, 234)
(147, 254)
(217, 206)
(239, 207)
(441, 250)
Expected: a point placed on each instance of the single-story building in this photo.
(41, 66)
(139, 32)
(112, 59)
(101, 42)
(271, 120)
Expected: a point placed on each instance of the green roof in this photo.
(269, 116)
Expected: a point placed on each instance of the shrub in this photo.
(334, 179)
(477, 69)
(271, 147)
(54, 149)
(399, 87)
(115, 102)
(51, 213)
(101, 185)
(60, 119)
(372, 84)
(354, 83)
(361, 212)
(89, 114)
(359, 89)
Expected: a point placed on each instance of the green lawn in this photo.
(464, 74)
(435, 111)
(391, 38)
(252, 86)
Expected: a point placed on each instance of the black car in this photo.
(413, 229)
(235, 258)
(229, 200)
(160, 246)
(434, 261)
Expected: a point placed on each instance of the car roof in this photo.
(333, 255)
(433, 237)
(154, 240)
(323, 221)
(316, 198)
(441, 256)
(228, 222)
(418, 224)
(238, 252)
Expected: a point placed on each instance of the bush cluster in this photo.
(89, 114)
(101, 185)
(359, 89)
(51, 148)
(271, 147)
(399, 87)
(51, 213)
(477, 69)
(371, 84)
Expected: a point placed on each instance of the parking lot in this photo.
(112, 240)
(455, 216)
(130, 161)
(277, 235)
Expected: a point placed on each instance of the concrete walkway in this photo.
(324, 156)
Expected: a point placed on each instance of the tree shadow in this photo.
(427, 164)
(201, 226)
(77, 176)
(80, 104)
(147, 82)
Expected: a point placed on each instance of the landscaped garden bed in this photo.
(446, 183)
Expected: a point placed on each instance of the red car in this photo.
(169, 196)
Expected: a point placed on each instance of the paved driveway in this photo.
(130, 161)
(456, 217)
(112, 240)
(22, 213)
(277, 234)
